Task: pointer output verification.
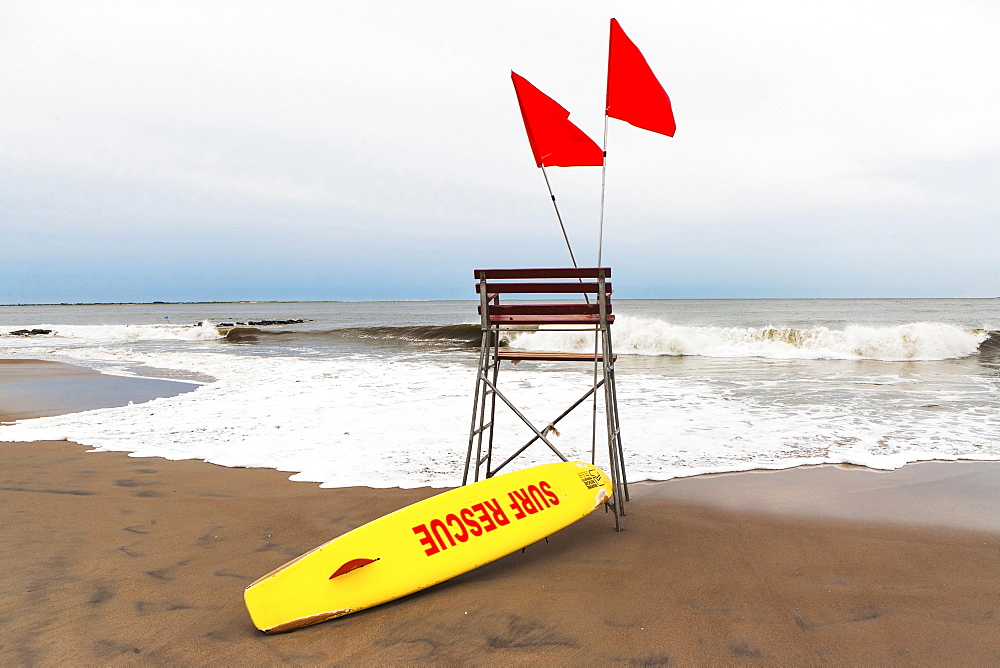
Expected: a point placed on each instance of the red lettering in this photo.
(438, 524)
(526, 502)
(470, 521)
(547, 490)
(452, 520)
(484, 517)
(499, 516)
(538, 497)
(432, 547)
(515, 506)
(440, 534)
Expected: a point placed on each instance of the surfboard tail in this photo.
(307, 621)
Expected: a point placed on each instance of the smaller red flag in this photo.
(555, 141)
(634, 94)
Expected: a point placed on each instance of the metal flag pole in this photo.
(561, 226)
(558, 215)
(604, 171)
(600, 245)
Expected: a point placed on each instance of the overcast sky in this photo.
(374, 150)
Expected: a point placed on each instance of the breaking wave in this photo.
(632, 336)
(455, 334)
(637, 336)
(991, 346)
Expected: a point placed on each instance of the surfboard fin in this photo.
(352, 565)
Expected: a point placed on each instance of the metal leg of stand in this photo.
(618, 433)
(492, 388)
(478, 403)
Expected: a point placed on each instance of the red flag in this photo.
(555, 141)
(634, 94)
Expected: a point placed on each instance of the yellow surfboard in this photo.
(425, 543)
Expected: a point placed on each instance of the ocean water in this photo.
(380, 393)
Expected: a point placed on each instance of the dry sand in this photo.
(109, 559)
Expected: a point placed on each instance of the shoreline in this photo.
(31, 388)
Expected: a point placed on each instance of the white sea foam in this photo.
(357, 420)
(693, 399)
(638, 336)
(120, 333)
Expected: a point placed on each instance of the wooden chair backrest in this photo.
(566, 281)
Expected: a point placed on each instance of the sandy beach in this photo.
(110, 560)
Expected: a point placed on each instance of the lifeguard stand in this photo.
(565, 315)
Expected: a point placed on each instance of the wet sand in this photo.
(36, 388)
(109, 560)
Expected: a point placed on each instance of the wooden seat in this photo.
(553, 319)
(528, 355)
(547, 314)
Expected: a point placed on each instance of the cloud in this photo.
(393, 125)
